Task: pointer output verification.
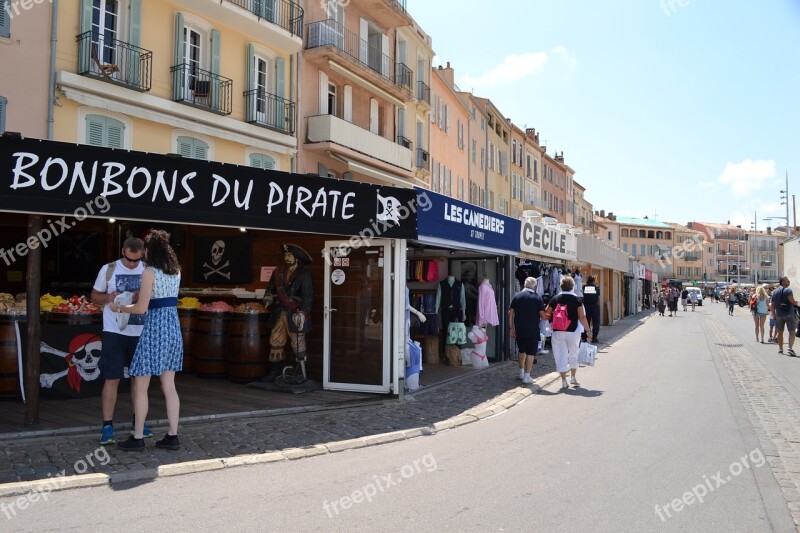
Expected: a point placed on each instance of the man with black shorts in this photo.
(524, 313)
(783, 304)
(120, 334)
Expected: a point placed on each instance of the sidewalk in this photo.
(28, 464)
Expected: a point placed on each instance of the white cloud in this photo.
(519, 66)
(747, 176)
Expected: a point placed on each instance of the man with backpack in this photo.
(119, 337)
(783, 304)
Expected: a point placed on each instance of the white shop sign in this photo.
(548, 242)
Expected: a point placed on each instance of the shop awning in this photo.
(46, 177)
(373, 171)
(447, 222)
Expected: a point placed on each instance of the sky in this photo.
(678, 110)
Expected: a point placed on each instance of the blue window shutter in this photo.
(216, 46)
(280, 90)
(95, 130)
(178, 76)
(5, 20)
(185, 145)
(115, 133)
(133, 61)
(3, 106)
(251, 82)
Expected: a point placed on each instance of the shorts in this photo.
(771, 322)
(528, 345)
(790, 321)
(117, 354)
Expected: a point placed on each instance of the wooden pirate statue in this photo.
(289, 298)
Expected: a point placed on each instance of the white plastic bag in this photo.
(587, 354)
(124, 298)
(545, 328)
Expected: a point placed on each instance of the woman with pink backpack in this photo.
(569, 320)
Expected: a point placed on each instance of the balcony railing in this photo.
(423, 92)
(269, 110)
(288, 15)
(423, 159)
(115, 61)
(330, 33)
(399, 5)
(405, 142)
(404, 77)
(201, 88)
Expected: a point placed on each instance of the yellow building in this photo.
(518, 159)
(533, 164)
(649, 241)
(477, 175)
(497, 156)
(206, 80)
(687, 254)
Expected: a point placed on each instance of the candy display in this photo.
(77, 305)
(47, 302)
(189, 302)
(10, 306)
(217, 307)
(250, 308)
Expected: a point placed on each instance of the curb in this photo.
(497, 405)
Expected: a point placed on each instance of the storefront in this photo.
(608, 264)
(546, 253)
(228, 224)
(458, 271)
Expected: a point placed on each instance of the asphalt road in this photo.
(658, 422)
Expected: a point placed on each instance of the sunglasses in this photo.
(131, 260)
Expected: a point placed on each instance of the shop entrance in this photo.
(357, 340)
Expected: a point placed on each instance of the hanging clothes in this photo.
(487, 305)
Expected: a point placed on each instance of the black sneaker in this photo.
(169, 442)
(131, 445)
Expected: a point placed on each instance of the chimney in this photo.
(769, 230)
(689, 225)
(448, 75)
(603, 213)
(611, 215)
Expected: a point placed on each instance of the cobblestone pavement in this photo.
(425, 411)
(773, 412)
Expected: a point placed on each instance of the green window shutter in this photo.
(251, 82)
(85, 50)
(185, 145)
(178, 76)
(262, 161)
(3, 106)
(86, 15)
(95, 130)
(133, 59)
(200, 150)
(5, 20)
(115, 133)
(216, 46)
(280, 90)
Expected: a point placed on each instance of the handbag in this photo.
(587, 354)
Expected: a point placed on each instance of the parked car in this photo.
(699, 294)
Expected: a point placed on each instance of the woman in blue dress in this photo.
(160, 348)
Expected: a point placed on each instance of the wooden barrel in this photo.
(209, 344)
(187, 318)
(248, 347)
(9, 367)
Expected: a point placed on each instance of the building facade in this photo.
(762, 254)
(449, 128)
(729, 241)
(649, 241)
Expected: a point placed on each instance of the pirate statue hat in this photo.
(298, 252)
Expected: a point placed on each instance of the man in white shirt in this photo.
(119, 338)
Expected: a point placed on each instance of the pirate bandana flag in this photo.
(223, 260)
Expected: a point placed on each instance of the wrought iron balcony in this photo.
(330, 33)
(405, 142)
(115, 61)
(423, 159)
(269, 110)
(423, 92)
(288, 15)
(201, 88)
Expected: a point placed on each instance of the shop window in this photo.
(192, 148)
(105, 132)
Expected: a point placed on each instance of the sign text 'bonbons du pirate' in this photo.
(50, 177)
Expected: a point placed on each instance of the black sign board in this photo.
(56, 178)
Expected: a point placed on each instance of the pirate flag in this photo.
(223, 260)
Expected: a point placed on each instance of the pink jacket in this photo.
(487, 306)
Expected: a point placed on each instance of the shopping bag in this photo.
(587, 354)
(545, 328)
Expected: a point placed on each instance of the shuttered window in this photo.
(105, 132)
(262, 161)
(5, 20)
(192, 148)
(3, 107)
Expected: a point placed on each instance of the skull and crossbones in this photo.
(82, 360)
(217, 251)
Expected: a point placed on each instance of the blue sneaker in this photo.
(147, 433)
(107, 436)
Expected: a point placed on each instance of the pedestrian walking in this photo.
(731, 301)
(524, 313)
(760, 311)
(160, 349)
(566, 343)
(672, 300)
(591, 302)
(694, 296)
(783, 304)
(684, 298)
(662, 303)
